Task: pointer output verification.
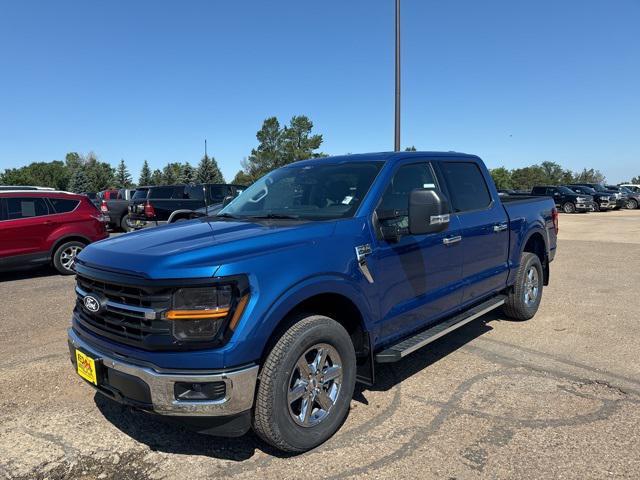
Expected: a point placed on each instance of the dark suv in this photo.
(156, 204)
(565, 198)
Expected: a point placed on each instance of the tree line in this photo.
(278, 145)
(545, 173)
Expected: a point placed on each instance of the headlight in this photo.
(199, 314)
(581, 199)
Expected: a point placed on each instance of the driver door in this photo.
(418, 277)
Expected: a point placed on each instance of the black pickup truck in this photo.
(117, 209)
(616, 199)
(601, 201)
(155, 205)
(565, 198)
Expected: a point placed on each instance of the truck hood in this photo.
(196, 249)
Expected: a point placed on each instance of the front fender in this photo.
(178, 213)
(255, 331)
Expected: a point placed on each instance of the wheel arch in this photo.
(535, 243)
(68, 238)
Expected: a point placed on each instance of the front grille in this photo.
(130, 315)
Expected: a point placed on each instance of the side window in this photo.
(393, 209)
(551, 191)
(63, 205)
(3, 211)
(194, 192)
(466, 186)
(20, 207)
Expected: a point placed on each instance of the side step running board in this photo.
(411, 344)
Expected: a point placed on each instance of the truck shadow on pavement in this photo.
(26, 273)
(160, 434)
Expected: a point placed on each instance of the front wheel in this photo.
(524, 299)
(305, 385)
(64, 258)
(632, 204)
(569, 208)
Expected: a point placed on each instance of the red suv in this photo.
(38, 227)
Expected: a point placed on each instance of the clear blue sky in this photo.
(517, 82)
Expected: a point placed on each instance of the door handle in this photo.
(501, 227)
(450, 240)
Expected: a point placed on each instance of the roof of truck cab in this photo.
(382, 157)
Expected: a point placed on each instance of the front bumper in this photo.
(148, 389)
(585, 206)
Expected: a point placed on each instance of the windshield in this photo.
(565, 190)
(625, 190)
(308, 192)
(599, 188)
(140, 194)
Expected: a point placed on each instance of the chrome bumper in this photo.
(240, 385)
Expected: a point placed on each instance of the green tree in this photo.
(525, 178)
(79, 182)
(589, 175)
(101, 175)
(208, 171)
(502, 178)
(171, 173)
(156, 178)
(280, 146)
(123, 177)
(145, 174)
(412, 148)
(73, 161)
(187, 174)
(242, 178)
(43, 174)
(635, 180)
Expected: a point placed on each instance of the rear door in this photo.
(484, 225)
(26, 227)
(418, 276)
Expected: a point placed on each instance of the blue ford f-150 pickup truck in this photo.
(268, 313)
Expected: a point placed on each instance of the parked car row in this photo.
(584, 197)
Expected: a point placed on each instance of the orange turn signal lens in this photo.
(208, 314)
(238, 313)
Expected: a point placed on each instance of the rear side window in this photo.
(167, 192)
(194, 192)
(539, 191)
(63, 205)
(21, 207)
(140, 194)
(466, 186)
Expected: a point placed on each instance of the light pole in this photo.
(397, 113)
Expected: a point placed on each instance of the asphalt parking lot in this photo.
(554, 397)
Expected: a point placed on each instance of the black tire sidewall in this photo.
(57, 263)
(305, 438)
(531, 310)
(124, 224)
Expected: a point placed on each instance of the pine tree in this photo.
(156, 178)
(145, 175)
(187, 174)
(208, 171)
(170, 173)
(123, 177)
(79, 182)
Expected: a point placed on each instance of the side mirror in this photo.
(428, 211)
(227, 200)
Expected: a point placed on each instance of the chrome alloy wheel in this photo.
(68, 256)
(314, 385)
(531, 286)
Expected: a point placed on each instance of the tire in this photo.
(64, 257)
(632, 204)
(596, 207)
(569, 208)
(523, 302)
(124, 224)
(283, 424)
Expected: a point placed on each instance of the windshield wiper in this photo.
(276, 216)
(225, 215)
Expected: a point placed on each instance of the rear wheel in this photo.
(64, 258)
(305, 385)
(124, 224)
(569, 208)
(524, 299)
